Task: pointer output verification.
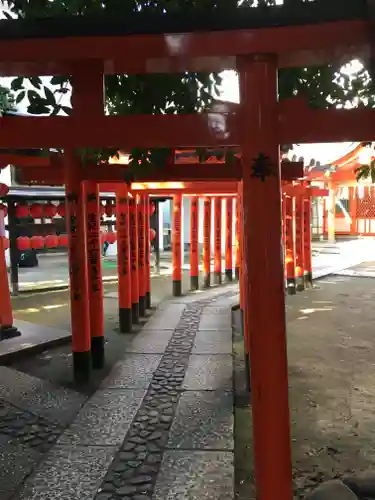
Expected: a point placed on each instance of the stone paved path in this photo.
(159, 427)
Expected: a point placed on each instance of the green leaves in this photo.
(6, 100)
(366, 171)
(176, 93)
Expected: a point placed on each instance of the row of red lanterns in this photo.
(49, 210)
(38, 242)
(54, 241)
(37, 210)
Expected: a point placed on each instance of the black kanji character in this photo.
(262, 167)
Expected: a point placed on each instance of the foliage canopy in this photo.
(129, 94)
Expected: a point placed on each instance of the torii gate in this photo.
(257, 45)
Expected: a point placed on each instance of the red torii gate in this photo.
(259, 128)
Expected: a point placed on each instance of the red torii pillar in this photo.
(244, 310)
(207, 243)
(148, 250)
(217, 241)
(300, 248)
(290, 263)
(307, 240)
(123, 259)
(78, 269)
(133, 212)
(194, 246)
(142, 255)
(237, 254)
(265, 298)
(95, 281)
(176, 245)
(228, 239)
(7, 329)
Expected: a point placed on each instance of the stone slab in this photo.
(209, 373)
(33, 337)
(105, 418)
(150, 342)
(16, 463)
(212, 320)
(195, 475)
(204, 420)
(69, 473)
(47, 400)
(332, 490)
(134, 372)
(166, 317)
(213, 342)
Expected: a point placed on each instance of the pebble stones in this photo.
(134, 470)
(28, 429)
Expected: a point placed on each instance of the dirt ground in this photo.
(331, 349)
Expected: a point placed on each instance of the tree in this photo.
(186, 93)
(7, 100)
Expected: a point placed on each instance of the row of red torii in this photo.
(133, 237)
(260, 125)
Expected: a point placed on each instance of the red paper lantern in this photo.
(6, 243)
(63, 240)
(37, 242)
(61, 209)
(102, 209)
(109, 210)
(22, 211)
(4, 209)
(111, 237)
(152, 208)
(23, 243)
(4, 190)
(50, 210)
(52, 241)
(152, 234)
(36, 211)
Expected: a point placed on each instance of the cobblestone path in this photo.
(159, 427)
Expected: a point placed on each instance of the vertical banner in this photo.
(95, 284)
(148, 251)
(207, 243)
(237, 250)
(194, 251)
(217, 241)
(228, 239)
(176, 245)
(307, 240)
(123, 259)
(290, 264)
(141, 254)
(133, 216)
(299, 233)
(78, 268)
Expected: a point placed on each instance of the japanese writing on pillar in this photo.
(74, 267)
(177, 224)
(93, 241)
(141, 232)
(299, 234)
(207, 222)
(194, 226)
(218, 224)
(123, 235)
(133, 239)
(229, 222)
